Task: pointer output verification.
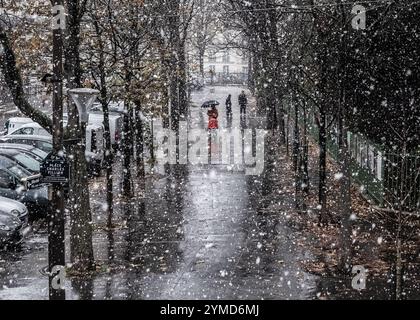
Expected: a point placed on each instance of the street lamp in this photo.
(84, 99)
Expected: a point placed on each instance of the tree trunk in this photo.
(126, 152)
(127, 137)
(182, 84)
(141, 175)
(272, 119)
(344, 198)
(201, 61)
(251, 82)
(79, 202)
(305, 151)
(322, 192)
(296, 140)
(174, 101)
(398, 240)
(108, 159)
(80, 215)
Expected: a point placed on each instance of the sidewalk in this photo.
(197, 236)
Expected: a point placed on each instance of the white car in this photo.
(31, 128)
(12, 124)
(97, 119)
(115, 125)
(14, 208)
(43, 143)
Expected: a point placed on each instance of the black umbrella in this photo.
(210, 103)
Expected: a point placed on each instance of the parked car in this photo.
(10, 229)
(19, 184)
(15, 123)
(25, 161)
(31, 128)
(43, 143)
(94, 144)
(113, 107)
(115, 126)
(15, 208)
(31, 151)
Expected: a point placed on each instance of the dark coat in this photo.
(242, 99)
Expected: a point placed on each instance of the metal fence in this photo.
(390, 179)
(402, 181)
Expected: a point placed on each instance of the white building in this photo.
(227, 61)
(224, 64)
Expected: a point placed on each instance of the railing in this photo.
(387, 178)
(402, 181)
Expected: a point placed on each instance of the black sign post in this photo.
(55, 169)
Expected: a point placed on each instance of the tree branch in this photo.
(13, 79)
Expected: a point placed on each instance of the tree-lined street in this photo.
(201, 149)
(197, 236)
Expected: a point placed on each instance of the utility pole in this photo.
(56, 247)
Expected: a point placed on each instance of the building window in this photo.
(226, 69)
(226, 56)
(245, 70)
(245, 59)
(212, 56)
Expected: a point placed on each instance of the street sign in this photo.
(55, 169)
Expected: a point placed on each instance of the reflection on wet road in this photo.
(197, 234)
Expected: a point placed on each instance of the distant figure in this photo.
(6, 125)
(243, 101)
(211, 76)
(229, 106)
(213, 114)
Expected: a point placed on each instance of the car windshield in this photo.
(45, 146)
(13, 167)
(19, 172)
(27, 162)
(39, 153)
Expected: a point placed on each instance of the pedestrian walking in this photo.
(229, 106)
(243, 101)
(213, 125)
(213, 115)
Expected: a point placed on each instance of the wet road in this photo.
(201, 232)
(196, 235)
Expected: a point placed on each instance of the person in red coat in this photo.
(213, 114)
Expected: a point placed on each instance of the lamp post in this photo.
(84, 99)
